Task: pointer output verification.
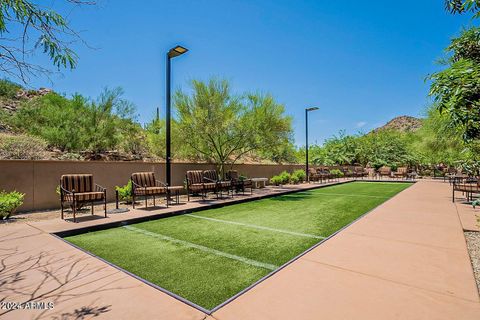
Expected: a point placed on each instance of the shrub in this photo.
(276, 180)
(337, 173)
(9, 203)
(71, 156)
(79, 124)
(8, 89)
(125, 192)
(282, 178)
(285, 177)
(22, 147)
(294, 179)
(299, 175)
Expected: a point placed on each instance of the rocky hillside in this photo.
(12, 97)
(402, 123)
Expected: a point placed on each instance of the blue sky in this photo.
(361, 62)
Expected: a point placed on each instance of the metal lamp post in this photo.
(172, 53)
(307, 110)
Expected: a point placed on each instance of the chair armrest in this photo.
(210, 180)
(99, 188)
(136, 185)
(62, 189)
(160, 183)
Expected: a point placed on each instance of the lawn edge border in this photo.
(61, 234)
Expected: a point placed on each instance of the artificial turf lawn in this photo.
(208, 279)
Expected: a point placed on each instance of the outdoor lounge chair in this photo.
(238, 183)
(360, 172)
(196, 184)
(468, 186)
(347, 172)
(313, 175)
(144, 184)
(401, 172)
(221, 185)
(78, 189)
(385, 172)
(324, 174)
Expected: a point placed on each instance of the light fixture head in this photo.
(312, 109)
(177, 51)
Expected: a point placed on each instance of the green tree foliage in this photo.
(223, 127)
(456, 89)
(375, 149)
(26, 27)
(384, 148)
(80, 124)
(340, 149)
(437, 141)
(462, 6)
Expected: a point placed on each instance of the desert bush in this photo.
(125, 192)
(79, 123)
(22, 147)
(276, 180)
(71, 156)
(8, 89)
(294, 179)
(299, 175)
(282, 178)
(9, 203)
(285, 177)
(337, 173)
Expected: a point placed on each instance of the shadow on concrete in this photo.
(56, 278)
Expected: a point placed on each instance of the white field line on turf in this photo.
(351, 195)
(259, 227)
(204, 249)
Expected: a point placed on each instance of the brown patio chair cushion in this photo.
(77, 182)
(202, 186)
(150, 190)
(85, 196)
(211, 175)
(195, 177)
(144, 179)
(232, 175)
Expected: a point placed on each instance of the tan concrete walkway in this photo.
(35, 266)
(407, 259)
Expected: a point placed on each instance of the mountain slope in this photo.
(402, 124)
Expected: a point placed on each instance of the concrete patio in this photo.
(407, 259)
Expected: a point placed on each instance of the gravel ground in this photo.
(473, 245)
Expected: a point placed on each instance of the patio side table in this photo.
(259, 182)
(174, 190)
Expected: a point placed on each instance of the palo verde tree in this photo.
(224, 127)
(463, 6)
(26, 27)
(456, 89)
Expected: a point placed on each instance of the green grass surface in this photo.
(209, 256)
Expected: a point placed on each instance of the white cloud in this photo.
(361, 124)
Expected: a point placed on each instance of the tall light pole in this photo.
(172, 53)
(307, 110)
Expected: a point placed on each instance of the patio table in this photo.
(259, 182)
(175, 190)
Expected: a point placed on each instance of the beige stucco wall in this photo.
(38, 179)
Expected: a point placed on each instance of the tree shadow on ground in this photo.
(55, 277)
